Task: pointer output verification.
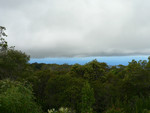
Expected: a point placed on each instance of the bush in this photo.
(16, 98)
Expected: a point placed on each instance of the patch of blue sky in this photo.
(110, 60)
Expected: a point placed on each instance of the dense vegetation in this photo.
(91, 88)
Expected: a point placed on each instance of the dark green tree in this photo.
(64, 91)
(13, 63)
(95, 70)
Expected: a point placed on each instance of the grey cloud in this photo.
(65, 28)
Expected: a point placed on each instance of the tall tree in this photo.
(87, 99)
(3, 43)
(12, 62)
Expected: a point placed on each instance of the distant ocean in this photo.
(113, 60)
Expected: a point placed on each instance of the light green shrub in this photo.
(16, 98)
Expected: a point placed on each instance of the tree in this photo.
(95, 70)
(87, 99)
(77, 70)
(64, 91)
(39, 81)
(3, 43)
(12, 62)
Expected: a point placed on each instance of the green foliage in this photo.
(91, 71)
(63, 90)
(39, 81)
(77, 70)
(16, 98)
(13, 64)
(87, 99)
(141, 104)
(136, 82)
(95, 70)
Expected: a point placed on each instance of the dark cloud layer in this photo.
(72, 28)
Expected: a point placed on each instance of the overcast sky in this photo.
(76, 28)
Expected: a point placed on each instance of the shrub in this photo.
(16, 98)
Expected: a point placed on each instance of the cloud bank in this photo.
(76, 28)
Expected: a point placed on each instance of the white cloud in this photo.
(66, 28)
